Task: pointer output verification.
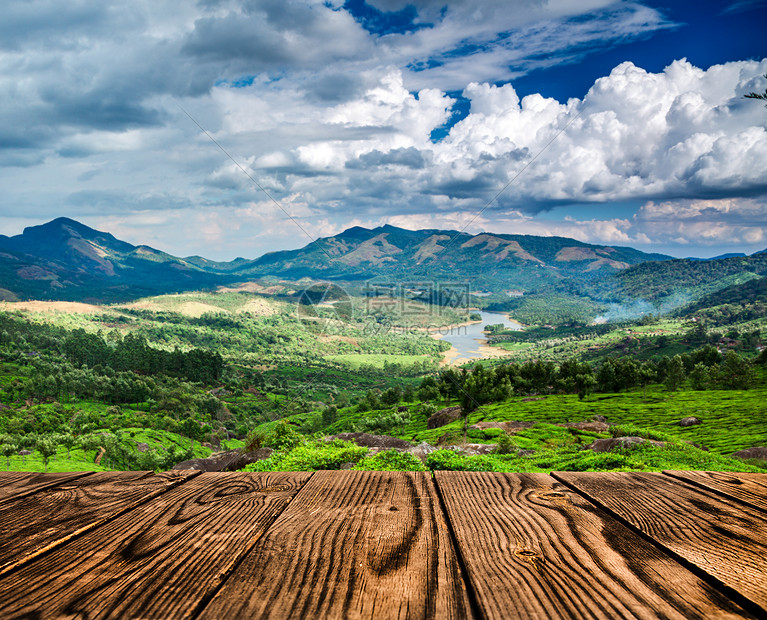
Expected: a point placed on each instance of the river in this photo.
(468, 340)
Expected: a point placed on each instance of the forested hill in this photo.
(66, 260)
(692, 279)
(732, 304)
(492, 260)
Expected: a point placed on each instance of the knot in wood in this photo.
(527, 553)
(554, 495)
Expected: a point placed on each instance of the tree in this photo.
(8, 450)
(329, 415)
(69, 441)
(736, 373)
(606, 376)
(760, 96)
(46, 446)
(676, 374)
(700, 376)
(90, 442)
(647, 374)
(585, 384)
(408, 394)
(191, 428)
(391, 396)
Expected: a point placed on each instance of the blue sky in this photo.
(620, 122)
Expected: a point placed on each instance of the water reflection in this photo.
(467, 339)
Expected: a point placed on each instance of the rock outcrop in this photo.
(231, 460)
(689, 421)
(757, 453)
(620, 443)
(367, 440)
(443, 417)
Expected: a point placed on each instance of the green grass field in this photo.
(376, 360)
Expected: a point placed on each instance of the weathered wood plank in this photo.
(747, 488)
(722, 540)
(15, 484)
(534, 549)
(162, 559)
(37, 523)
(351, 545)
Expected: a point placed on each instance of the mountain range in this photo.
(66, 260)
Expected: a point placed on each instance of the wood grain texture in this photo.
(39, 522)
(163, 559)
(15, 484)
(747, 488)
(352, 544)
(721, 539)
(534, 549)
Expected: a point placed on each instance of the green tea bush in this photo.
(311, 456)
(454, 461)
(506, 445)
(632, 430)
(390, 460)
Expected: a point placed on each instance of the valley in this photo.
(582, 348)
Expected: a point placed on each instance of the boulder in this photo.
(373, 441)
(214, 443)
(599, 418)
(757, 453)
(473, 449)
(142, 447)
(443, 417)
(422, 450)
(231, 460)
(620, 443)
(689, 421)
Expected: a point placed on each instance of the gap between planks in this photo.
(164, 558)
(54, 515)
(749, 489)
(535, 549)
(694, 526)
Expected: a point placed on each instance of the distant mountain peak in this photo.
(64, 236)
(63, 224)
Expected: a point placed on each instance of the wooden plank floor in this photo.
(383, 545)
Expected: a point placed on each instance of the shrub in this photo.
(255, 440)
(506, 444)
(631, 430)
(285, 437)
(311, 456)
(391, 460)
(453, 461)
